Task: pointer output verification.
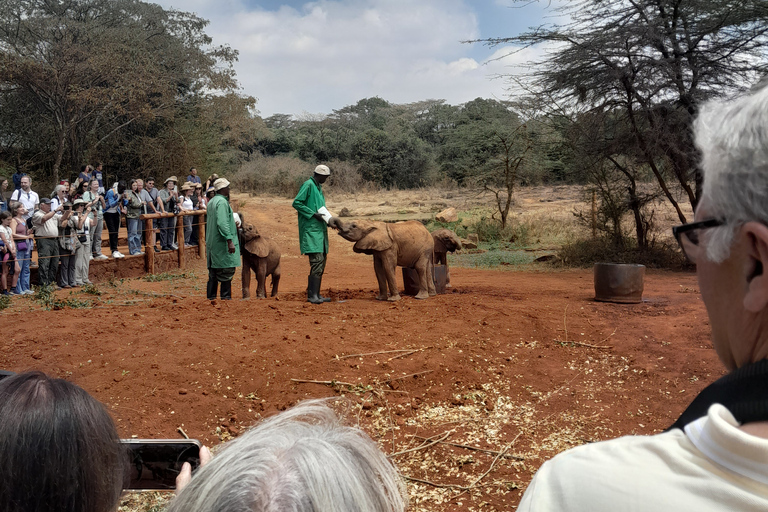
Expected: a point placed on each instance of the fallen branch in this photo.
(580, 344)
(430, 442)
(373, 353)
(325, 382)
(484, 450)
(403, 377)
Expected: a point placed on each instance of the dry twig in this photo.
(373, 353)
(429, 441)
(484, 450)
(181, 431)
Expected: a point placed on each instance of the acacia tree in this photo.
(652, 62)
(89, 69)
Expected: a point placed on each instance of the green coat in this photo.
(219, 228)
(313, 233)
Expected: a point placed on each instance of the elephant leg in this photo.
(431, 288)
(261, 278)
(275, 281)
(389, 264)
(380, 277)
(424, 270)
(245, 277)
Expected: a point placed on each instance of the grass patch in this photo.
(492, 257)
(5, 302)
(169, 276)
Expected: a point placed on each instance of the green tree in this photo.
(90, 69)
(652, 62)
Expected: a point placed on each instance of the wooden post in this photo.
(180, 238)
(150, 247)
(200, 234)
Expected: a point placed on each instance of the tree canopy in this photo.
(87, 79)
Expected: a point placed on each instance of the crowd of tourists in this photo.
(66, 227)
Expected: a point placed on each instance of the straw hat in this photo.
(220, 184)
(172, 178)
(187, 186)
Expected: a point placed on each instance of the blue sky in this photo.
(310, 58)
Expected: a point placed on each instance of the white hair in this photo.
(59, 188)
(733, 139)
(301, 460)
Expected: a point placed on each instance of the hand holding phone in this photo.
(155, 464)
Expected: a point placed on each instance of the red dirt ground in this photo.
(491, 367)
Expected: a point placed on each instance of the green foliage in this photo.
(169, 276)
(46, 297)
(5, 302)
(587, 252)
(90, 289)
(129, 83)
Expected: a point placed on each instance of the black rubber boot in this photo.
(319, 285)
(213, 288)
(313, 290)
(226, 290)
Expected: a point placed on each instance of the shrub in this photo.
(585, 253)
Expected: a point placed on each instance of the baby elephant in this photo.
(445, 241)
(260, 254)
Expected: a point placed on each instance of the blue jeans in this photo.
(134, 236)
(24, 257)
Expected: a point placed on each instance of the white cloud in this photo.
(328, 54)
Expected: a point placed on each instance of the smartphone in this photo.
(155, 463)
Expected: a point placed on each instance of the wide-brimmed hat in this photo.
(78, 201)
(220, 184)
(322, 170)
(172, 178)
(198, 185)
(187, 186)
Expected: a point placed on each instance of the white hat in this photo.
(220, 184)
(322, 170)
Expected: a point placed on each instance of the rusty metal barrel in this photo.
(411, 279)
(619, 282)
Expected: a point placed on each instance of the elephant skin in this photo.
(445, 241)
(260, 254)
(405, 244)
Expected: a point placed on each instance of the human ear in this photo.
(756, 296)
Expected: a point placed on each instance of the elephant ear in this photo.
(376, 240)
(258, 246)
(439, 244)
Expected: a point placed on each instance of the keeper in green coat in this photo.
(222, 249)
(313, 230)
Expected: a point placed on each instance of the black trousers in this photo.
(317, 263)
(112, 220)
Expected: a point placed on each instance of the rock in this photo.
(546, 258)
(37, 354)
(345, 212)
(472, 237)
(468, 244)
(182, 391)
(447, 215)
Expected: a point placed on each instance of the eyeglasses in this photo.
(687, 235)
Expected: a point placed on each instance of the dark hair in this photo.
(60, 448)
(121, 187)
(151, 178)
(81, 187)
(5, 215)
